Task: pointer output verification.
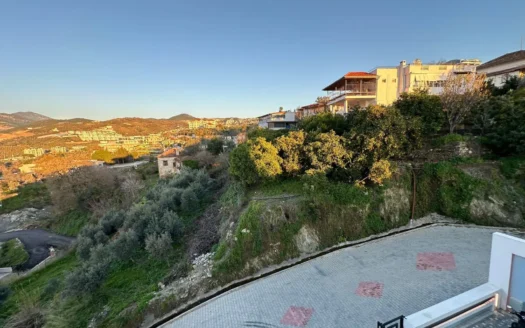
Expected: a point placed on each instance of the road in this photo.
(36, 243)
(357, 286)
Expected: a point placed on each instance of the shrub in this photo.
(324, 123)
(87, 278)
(190, 163)
(425, 106)
(125, 246)
(291, 150)
(111, 222)
(158, 245)
(5, 291)
(267, 134)
(215, 146)
(188, 200)
(325, 152)
(12, 254)
(265, 158)
(448, 139)
(242, 167)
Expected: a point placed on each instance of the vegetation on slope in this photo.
(12, 254)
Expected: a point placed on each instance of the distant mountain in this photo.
(18, 119)
(182, 117)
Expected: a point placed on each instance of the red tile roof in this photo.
(359, 74)
(173, 152)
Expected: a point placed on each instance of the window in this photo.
(394, 80)
(384, 80)
(165, 163)
(174, 164)
(424, 68)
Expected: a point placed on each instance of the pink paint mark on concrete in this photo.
(436, 261)
(297, 316)
(370, 289)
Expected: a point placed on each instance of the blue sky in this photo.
(101, 59)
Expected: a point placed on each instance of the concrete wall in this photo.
(504, 248)
(168, 166)
(386, 92)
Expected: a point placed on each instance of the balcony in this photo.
(355, 89)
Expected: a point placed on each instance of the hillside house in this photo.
(169, 162)
(498, 70)
(278, 120)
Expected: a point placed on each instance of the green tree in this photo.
(425, 106)
(242, 167)
(506, 135)
(291, 150)
(325, 122)
(215, 146)
(327, 151)
(265, 157)
(381, 133)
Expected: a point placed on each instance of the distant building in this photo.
(430, 76)
(27, 168)
(169, 162)
(196, 124)
(498, 70)
(384, 85)
(78, 148)
(58, 150)
(278, 120)
(309, 110)
(36, 152)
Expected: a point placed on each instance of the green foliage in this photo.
(427, 107)
(5, 291)
(291, 150)
(265, 158)
(374, 223)
(512, 83)
(158, 245)
(325, 152)
(380, 133)
(446, 189)
(506, 136)
(12, 254)
(70, 223)
(267, 134)
(242, 168)
(324, 123)
(215, 146)
(190, 163)
(30, 195)
(448, 139)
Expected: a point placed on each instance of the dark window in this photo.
(165, 163)
(174, 164)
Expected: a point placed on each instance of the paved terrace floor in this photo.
(357, 286)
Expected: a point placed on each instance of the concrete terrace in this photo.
(357, 286)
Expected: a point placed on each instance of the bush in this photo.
(242, 167)
(158, 245)
(52, 287)
(267, 134)
(448, 139)
(12, 254)
(87, 278)
(190, 163)
(324, 123)
(215, 146)
(5, 291)
(425, 106)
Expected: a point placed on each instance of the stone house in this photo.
(169, 162)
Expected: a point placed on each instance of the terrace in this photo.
(353, 89)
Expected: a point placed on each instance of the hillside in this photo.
(182, 117)
(17, 119)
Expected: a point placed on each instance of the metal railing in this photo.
(394, 323)
(338, 93)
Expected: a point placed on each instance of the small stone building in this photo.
(169, 162)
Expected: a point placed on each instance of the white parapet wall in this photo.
(504, 248)
(495, 293)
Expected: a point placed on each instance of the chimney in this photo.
(403, 63)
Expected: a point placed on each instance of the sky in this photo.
(101, 59)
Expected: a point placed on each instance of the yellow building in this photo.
(386, 90)
(383, 85)
(430, 76)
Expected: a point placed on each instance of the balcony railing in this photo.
(338, 93)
